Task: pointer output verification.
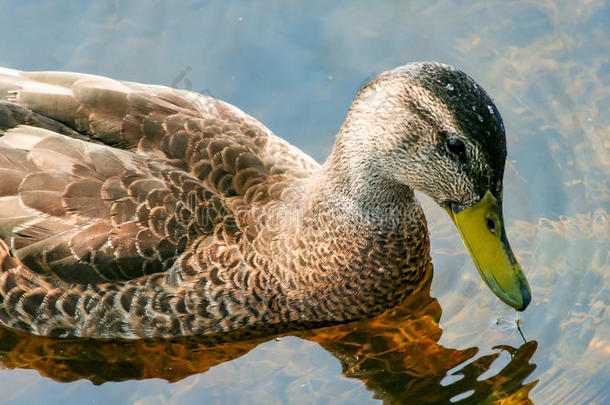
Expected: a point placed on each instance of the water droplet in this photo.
(474, 108)
(491, 110)
(480, 117)
(503, 325)
(449, 86)
(241, 18)
(277, 338)
(475, 86)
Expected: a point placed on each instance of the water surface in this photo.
(296, 66)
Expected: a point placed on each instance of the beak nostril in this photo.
(491, 224)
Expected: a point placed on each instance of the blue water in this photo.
(295, 66)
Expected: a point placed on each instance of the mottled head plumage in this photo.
(412, 112)
(474, 111)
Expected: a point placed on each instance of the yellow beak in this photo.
(482, 228)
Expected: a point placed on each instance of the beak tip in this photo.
(526, 296)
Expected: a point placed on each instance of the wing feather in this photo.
(113, 186)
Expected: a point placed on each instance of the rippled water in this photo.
(296, 66)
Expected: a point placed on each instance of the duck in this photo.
(133, 211)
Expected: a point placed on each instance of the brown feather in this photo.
(11, 179)
(83, 198)
(43, 192)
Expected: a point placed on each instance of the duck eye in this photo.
(491, 224)
(456, 146)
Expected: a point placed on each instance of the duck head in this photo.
(432, 128)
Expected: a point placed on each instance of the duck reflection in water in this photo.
(396, 355)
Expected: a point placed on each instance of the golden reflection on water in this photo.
(396, 355)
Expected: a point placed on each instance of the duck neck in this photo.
(353, 175)
(363, 240)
